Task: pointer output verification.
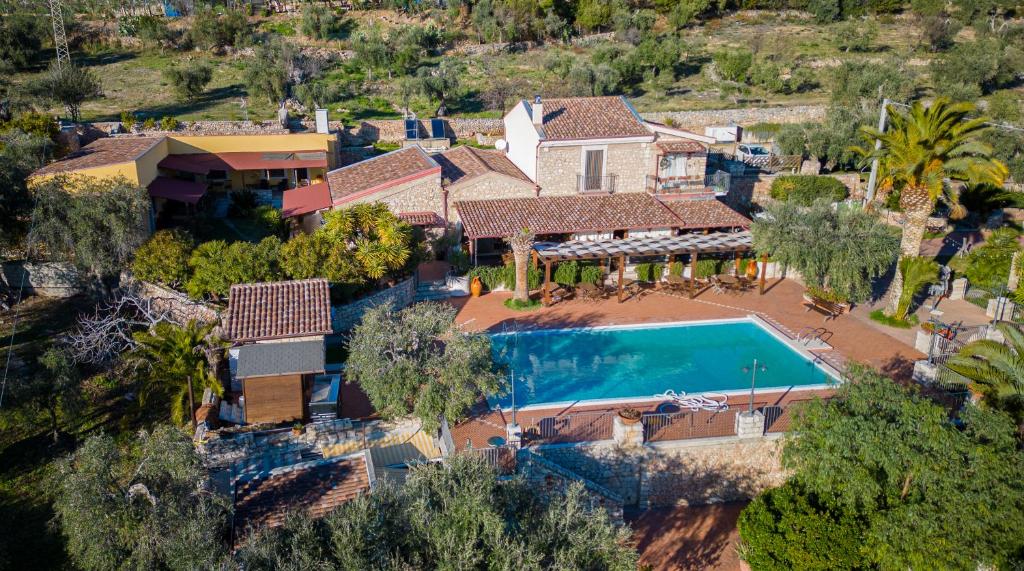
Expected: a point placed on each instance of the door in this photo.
(593, 166)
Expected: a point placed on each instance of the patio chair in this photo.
(716, 285)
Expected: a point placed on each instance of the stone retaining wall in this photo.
(393, 130)
(756, 189)
(345, 317)
(689, 472)
(697, 120)
(181, 307)
(48, 279)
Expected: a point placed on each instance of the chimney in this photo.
(538, 111)
(321, 121)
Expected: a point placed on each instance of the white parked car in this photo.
(750, 151)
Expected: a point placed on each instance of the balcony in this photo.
(596, 184)
(717, 182)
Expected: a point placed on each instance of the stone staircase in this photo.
(432, 291)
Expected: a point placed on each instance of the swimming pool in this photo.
(622, 363)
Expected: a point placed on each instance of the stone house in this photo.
(601, 145)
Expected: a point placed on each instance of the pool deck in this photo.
(854, 337)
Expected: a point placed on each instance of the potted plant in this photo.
(752, 269)
(476, 286)
(298, 429)
(630, 416)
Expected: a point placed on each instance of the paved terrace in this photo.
(853, 336)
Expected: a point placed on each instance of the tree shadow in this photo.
(686, 537)
(176, 108)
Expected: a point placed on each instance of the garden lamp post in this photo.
(753, 379)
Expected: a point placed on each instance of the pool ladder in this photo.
(809, 334)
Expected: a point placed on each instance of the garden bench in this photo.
(831, 310)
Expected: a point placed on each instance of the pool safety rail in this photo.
(594, 426)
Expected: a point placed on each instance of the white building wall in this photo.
(522, 139)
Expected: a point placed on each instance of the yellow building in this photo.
(181, 170)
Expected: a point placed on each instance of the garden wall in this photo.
(181, 307)
(345, 317)
(393, 130)
(756, 189)
(697, 120)
(48, 279)
(687, 472)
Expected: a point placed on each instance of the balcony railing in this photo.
(717, 182)
(604, 184)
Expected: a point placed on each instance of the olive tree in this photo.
(418, 361)
(94, 223)
(457, 515)
(71, 86)
(143, 505)
(842, 249)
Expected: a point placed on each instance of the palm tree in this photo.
(916, 273)
(521, 244)
(996, 369)
(921, 151)
(177, 356)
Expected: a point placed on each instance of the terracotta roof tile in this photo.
(428, 219)
(590, 118)
(705, 212)
(314, 488)
(277, 310)
(306, 199)
(466, 163)
(380, 172)
(681, 147)
(563, 214)
(102, 152)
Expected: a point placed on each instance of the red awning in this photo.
(178, 190)
(202, 163)
(306, 199)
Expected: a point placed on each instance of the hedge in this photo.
(805, 189)
(497, 276)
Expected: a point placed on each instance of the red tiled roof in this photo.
(202, 163)
(306, 199)
(379, 173)
(276, 310)
(681, 147)
(563, 214)
(102, 152)
(314, 488)
(179, 190)
(705, 212)
(590, 118)
(466, 163)
(429, 219)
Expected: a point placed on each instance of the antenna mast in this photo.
(60, 40)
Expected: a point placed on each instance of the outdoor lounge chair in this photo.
(695, 403)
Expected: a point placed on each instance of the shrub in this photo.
(490, 276)
(21, 39)
(149, 123)
(153, 30)
(319, 22)
(243, 202)
(216, 266)
(649, 272)
(591, 274)
(855, 35)
(128, 120)
(168, 123)
(210, 30)
(676, 269)
(567, 273)
(709, 267)
(190, 81)
(734, 65)
(269, 219)
(805, 189)
(826, 294)
(71, 86)
(988, 266)
(789, 528)
(164, 258)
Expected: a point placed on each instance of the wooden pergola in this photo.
(671, 246)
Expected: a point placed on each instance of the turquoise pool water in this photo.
(617, 363)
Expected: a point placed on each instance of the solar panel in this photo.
(412, 130)
(437, 128)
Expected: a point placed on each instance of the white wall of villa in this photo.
(522, 138)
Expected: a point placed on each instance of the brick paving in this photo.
(688, 538)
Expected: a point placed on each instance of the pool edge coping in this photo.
(755, 319)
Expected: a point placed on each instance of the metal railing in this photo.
(686, 425)
(501, 458)
(717, 182)
(578, 427)
(606, 183)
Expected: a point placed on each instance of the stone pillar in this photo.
(627, 435)
(750, 424)
(514, 434)
(959, 289)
